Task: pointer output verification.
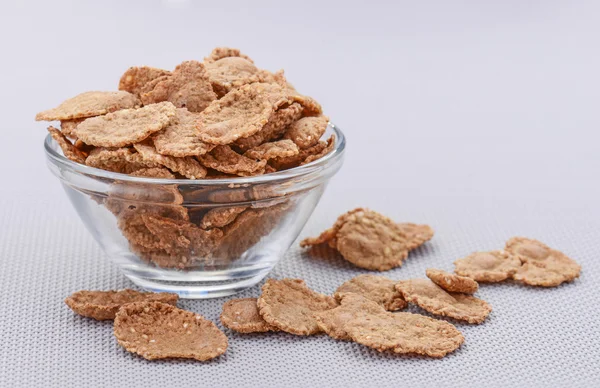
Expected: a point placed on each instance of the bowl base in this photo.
(198, 290)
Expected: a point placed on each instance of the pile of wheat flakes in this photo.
(364, 309)
(220, 118)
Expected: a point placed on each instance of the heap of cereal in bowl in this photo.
(223, 118)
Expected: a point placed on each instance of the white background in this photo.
(478, 117)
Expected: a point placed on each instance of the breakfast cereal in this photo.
(491, 267)
(242, 315)
(434, 299)
(157, 330)
(366, 322)
(103, 305)
(90, 104)
(289, 305)
(379, 289)
(451, 282)
(126, 126)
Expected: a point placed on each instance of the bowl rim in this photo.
(340, 145)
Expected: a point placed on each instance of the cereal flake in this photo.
(372, 241)
(126, 126)
(181, 137)
(228, 73)
(289, 305)
(242, 315)
(271, 150)
(225, 52)
(542, 265)
(121, 160)
(188, 87)
(430, 297)
(451, 282)
(90, 104)
(67, 127)
(186, 166)
(490, 267)
(307, 131)
(241, 113)
(274, 128)
(135, 78)
(157, 330)
(68, 149)
(366, 322)
(226, 160)
(221, 216)
(379, 289)
(103, 305)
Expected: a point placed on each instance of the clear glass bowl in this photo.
(158, 232)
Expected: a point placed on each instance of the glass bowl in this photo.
(198, 238)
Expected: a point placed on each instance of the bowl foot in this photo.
(198, 289)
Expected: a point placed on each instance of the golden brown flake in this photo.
(366, 322)
(135, 78)
(542, 265)
(188, 87)
(85, 148)
(150, 85)
(226, 160)
(376, 288)
(430, 297)
(242, 315)
(278, 80)
(161, 258)
(126, 126)
(451, 282)
(157, 330)
(121, 160)
(181, 137)
(289, 305)
(187, 166)
(131, 225)
(225, 52)
(154, 172)
(241, 113)
(221, 216)
(269, 169)
(550, 273)
(131, 201)
(274, 128)
(183, 237)
(491, 267)
(307, 131)
(528, 248)
(416, 234)
(310, 105)
(68, 149)
(372, 241)
(248, 229)
(103, 305)
(90, 104)
(271, 150)
(67, 127)
(331, 233)
(295, 161)
(328, 148)
(228, 73)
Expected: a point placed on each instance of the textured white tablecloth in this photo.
(478, 119)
